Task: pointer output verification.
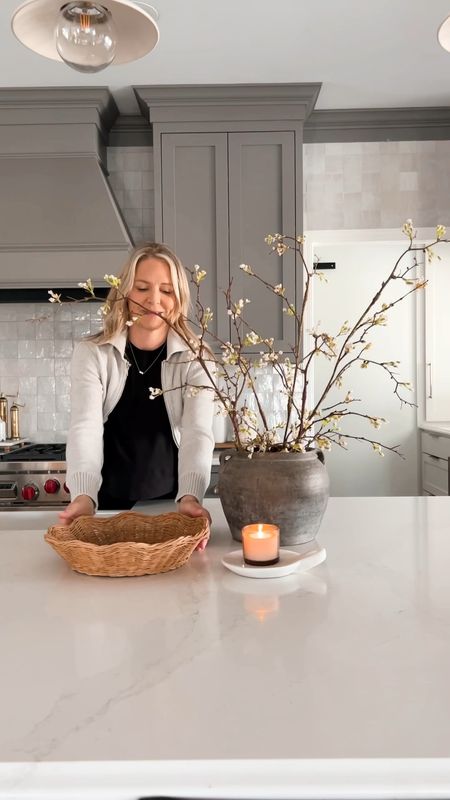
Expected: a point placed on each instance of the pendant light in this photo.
(87, 36)
(88, 30)
(444, 34)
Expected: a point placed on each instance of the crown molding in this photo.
(378, 124)
(70, 247)
(131, 131)
(56, 105)
(293, 101)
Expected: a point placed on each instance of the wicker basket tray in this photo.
(127, 544)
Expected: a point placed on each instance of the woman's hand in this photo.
(190, 506)
(82, 506)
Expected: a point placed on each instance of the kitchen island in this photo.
(200, 683)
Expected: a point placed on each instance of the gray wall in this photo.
(347, 185)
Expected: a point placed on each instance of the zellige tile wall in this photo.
(353, 185)
(36, 343)
(347, 185)
(131, 179)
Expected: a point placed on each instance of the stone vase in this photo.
(290, 490)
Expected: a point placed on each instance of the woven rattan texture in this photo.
(127, 544)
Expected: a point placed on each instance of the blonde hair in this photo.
(116, 318)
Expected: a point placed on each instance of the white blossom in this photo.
(87, 286)
(408, 229)
(252, 338)
(112, 281)
(54, 297)
(207, 317)
(199, 274)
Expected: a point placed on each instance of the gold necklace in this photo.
(142, 372)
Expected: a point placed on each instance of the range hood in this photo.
(59, 221)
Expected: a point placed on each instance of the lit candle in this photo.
(260, 544)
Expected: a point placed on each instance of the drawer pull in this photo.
(430, 385)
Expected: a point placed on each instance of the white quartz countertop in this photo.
(199, 683)
(441, 428)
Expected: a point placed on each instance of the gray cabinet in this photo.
(435, 463)
(221, 193)
(228, 171)
(59, 222)
(194, 210)
(262, 200)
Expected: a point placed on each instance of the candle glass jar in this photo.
(261, 544)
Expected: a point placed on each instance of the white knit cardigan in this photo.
(99, 373)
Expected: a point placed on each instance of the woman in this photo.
(123, 446)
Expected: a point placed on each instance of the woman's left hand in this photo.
(190, 506)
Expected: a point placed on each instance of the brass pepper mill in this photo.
(14, 419)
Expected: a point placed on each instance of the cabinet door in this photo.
(262, 201)
(437, 336)
(195, 211)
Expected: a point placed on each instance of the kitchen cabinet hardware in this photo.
(430, 385)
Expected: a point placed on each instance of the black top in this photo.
(140, 455)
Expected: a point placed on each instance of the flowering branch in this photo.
(238, 377)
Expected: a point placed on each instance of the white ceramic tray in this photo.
(289, 562)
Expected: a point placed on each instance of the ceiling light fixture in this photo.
(444, 34)
(87, 36)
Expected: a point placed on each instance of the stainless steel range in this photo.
(34, 475)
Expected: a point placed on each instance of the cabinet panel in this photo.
(435, 463)
(437, 336)
(434, 475)
(261, 201)
(433, 445)
(195, 211)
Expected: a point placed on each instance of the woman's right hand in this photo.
(82, 506)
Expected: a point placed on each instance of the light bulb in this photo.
(86, 36)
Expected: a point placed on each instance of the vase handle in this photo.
(321, 456)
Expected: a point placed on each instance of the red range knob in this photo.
(30, 492)
(52, 486)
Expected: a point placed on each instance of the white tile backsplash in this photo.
(35, 356)
(63, 348)
(46, 386)
(63, 331)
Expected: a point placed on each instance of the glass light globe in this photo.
(86, 36)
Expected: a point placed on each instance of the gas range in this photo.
(34, 475)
